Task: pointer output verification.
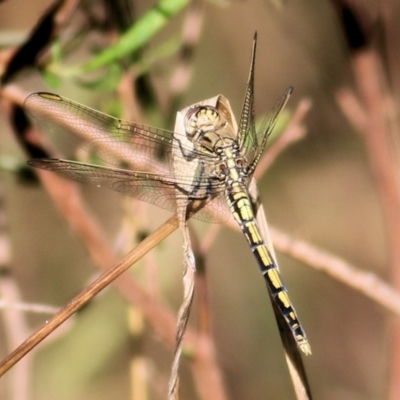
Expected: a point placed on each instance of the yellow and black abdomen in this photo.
(242, 211)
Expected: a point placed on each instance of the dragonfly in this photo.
(208, 164)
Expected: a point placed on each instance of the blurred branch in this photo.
(380, 130)
(190, 36)
(28, 308)
(294, 132)
(364, 282)
(378, 136)
(370, 79)
(352, 109)
(15, 324)
(94, 288)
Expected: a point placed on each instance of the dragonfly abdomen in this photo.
(242, 211)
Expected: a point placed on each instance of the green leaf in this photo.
(139, 34)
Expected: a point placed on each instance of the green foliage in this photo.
(139, 34)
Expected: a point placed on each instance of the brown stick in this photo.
(103, 281)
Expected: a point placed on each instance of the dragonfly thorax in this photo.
(230, 167)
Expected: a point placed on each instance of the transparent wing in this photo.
(161, 190)
(254, 142)
(113, 140)
(246, 124)
(146, 150)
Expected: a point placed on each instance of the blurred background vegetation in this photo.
(323, 189)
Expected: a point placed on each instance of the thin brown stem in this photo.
(99, 284)
(379, 135)
(364, 282)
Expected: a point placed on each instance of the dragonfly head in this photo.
(204, 126)
(200, 119)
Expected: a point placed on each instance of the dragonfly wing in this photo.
(246, 124)
(255, 141)
(113, 140)
(216, 211)
(155, 189)
(162, 190)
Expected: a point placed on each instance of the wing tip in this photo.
(43, 95)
